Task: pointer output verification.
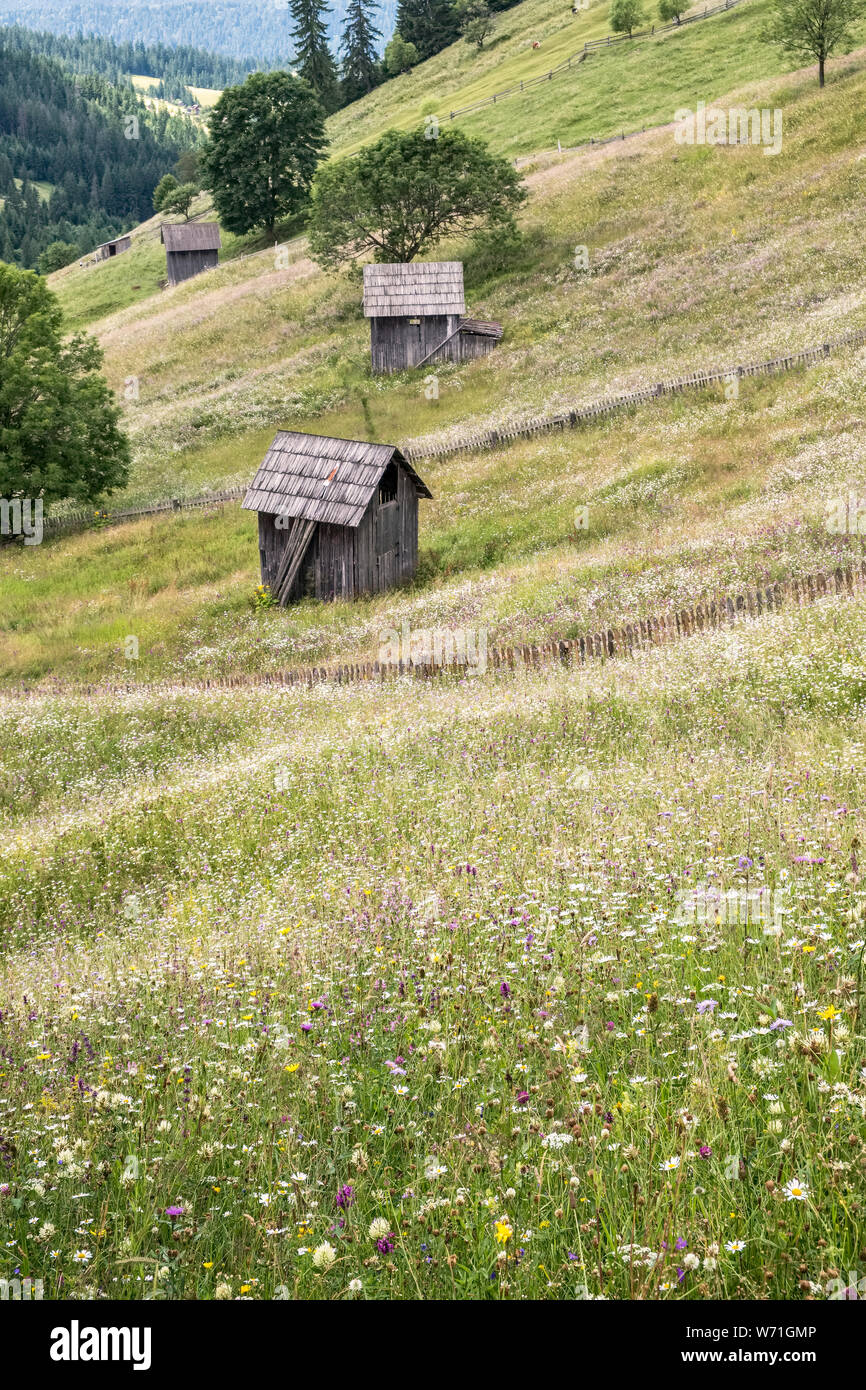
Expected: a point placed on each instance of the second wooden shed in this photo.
(416, 315)
(112, 248)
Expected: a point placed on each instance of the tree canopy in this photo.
(626, 15)
(476, 21)
(400, 56)
(401, 195)
(266, 138)
(313, 57)
(179, 200)
(59, 424)
(57, 255)
(429, 24)
(79, 158)
(360, 68)
(812, 28)
(167, 184)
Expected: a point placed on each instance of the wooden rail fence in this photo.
(592, 46)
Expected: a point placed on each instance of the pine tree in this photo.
(313, 57)
(360, 68)
(429, 24)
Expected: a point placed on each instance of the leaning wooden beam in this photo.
(300, 551)
(433, 351)
(288, 550)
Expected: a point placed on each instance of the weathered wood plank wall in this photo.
(182, 265)
(398, 343)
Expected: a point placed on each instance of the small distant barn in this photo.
(112, 248)
(190, 248)
(337, 517)
(416, 315)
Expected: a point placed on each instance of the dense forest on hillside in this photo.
(172, 68)
(94, 144)
(241, 29)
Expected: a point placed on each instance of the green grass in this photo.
(275, 947)
(93, 292)
(739, 499)
(696, 258)
(624, 88)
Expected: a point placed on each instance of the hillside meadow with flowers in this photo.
(543, 984)
(386, 991)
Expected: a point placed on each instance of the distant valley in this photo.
(240, 28)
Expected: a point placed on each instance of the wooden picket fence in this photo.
(609, 405)
(414, 452)
(604, 644)
(80, 519)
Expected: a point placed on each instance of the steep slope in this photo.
(625, 87)
(696, 258)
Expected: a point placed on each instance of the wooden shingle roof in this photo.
(115, 241)
(423, 288)
(191, 236)
(322, 479)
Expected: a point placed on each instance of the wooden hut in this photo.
(416, 315)
(337, 517)
(190, 248)
(112, 248)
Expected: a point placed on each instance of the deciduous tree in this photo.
(812, 28)
(59, 424)
(266, 138)
(400, 56)
(400, 196)
(626, 15)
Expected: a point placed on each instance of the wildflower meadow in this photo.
(399, 992)
(441, 878)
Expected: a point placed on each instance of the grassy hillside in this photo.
(696, 258)
(624, 88)
(379, 940)
(399, 992)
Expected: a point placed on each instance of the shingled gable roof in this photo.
(322, 479)
(191, 236)
(423, 288)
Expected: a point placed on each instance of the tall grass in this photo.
(367, 994)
